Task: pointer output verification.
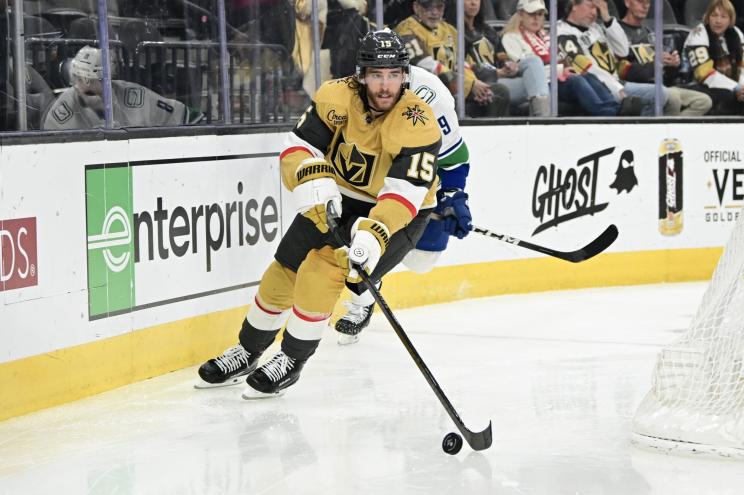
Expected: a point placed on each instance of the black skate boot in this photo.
(227, 369)
(271, 379)
(352, 323)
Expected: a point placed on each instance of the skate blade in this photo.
(201, 384)
(345, 339)
(252, 394)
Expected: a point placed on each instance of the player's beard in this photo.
(377, 102)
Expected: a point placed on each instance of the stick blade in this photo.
(478, 440)
(595, 247)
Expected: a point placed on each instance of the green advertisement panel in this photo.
(109, 215)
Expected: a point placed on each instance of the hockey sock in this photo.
(260, 327)
(365, 298)
(303, 334)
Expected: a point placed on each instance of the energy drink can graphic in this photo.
(671, 162)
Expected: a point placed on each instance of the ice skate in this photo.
(228, 369)
(273, 378)
(353, 322)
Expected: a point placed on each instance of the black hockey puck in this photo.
(452, 443)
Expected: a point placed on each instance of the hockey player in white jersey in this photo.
(81, 106)
(452, 214)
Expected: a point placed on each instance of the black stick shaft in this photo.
(477, 440)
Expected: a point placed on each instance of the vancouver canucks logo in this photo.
(416, 114)
(354, 166)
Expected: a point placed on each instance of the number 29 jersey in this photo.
(720, 73)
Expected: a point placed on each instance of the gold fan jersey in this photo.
(390, 161)
(433, 49)
(482, 51)
(712, 73)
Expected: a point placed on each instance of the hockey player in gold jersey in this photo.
(432, 45)
(369, 147)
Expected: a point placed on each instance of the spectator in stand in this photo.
(714, 49)
(524, 37)
(592, 46)
(525, 78)
(639, 66)
(432, 44)
(81, 106)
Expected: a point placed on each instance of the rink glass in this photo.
(237, 61)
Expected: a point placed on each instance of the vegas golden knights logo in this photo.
(643, 52)
(354, 166)
(604, 57)
(444, 54)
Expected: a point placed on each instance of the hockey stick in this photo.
(477, 440)
(602, 242)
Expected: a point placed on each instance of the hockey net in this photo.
(696, 402)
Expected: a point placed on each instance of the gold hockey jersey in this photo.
(433, 49)
(390, 160)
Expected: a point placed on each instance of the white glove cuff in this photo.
(316, 192)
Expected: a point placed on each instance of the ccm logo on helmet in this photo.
(386, 55)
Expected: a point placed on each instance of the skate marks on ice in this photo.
(560, 380)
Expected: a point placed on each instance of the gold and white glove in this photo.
(316, 186)
(369, 239)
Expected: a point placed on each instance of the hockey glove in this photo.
(452, 206)
(369, 239)
(316, 186)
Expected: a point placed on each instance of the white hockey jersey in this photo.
(429, 88)
(602, 44)
(712, 73)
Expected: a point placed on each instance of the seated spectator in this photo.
(523, 37)
(81, 106)
(639, 66)
(714, 49)
(432, 43)
(525, 78)
(593, 47)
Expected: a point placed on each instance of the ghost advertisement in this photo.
(560, 195)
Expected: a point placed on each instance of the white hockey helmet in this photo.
(87, 64)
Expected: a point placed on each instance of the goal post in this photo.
(696, 401)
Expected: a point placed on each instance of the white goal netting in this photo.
(696, 402)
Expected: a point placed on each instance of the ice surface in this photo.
(560, 374)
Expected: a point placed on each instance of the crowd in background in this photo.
(170, 49)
